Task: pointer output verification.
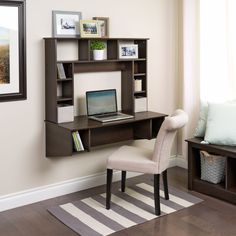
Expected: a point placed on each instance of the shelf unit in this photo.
(225, 190)
(60, 92)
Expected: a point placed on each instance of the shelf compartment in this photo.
(231, 174)
(142, 48)
(65, 91)
(68, 67)
(91, 51)
(112, 50)
(111, 134)
(85, 139)
(139, 67)
(84, 50)
(140, 85)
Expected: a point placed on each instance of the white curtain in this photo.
(217, 50)
(189, 68)
(208, 57)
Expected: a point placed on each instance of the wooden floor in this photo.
(211, 217)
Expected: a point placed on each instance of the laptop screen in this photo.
(101, 102)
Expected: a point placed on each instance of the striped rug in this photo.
(88, 217)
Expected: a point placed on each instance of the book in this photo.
(138, 85)
(80, 141)
(77, 142)
(61, 71)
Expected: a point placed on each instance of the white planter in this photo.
(98, 55)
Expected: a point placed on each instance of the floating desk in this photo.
(59, 141)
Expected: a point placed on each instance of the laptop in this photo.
(102, 106)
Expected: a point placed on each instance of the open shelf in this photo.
(226, 190)
(64, 99)
(64, 80)
(139, 74)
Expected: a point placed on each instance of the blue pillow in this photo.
(221, 125)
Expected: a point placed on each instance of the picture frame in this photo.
(66, 23)
(90, 29)
(104, 25)
(128, 51)
(12, 50)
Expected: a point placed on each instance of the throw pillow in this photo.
(221, 126)
(201, 126)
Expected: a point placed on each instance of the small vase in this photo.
(98, 55)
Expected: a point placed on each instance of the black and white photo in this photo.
(66, 23)
(127, 51)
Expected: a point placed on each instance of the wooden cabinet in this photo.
(226, 190)
(60, 92)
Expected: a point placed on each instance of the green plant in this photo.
(97, 45)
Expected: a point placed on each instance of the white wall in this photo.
(22, 136)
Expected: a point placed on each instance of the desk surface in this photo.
(83, 123)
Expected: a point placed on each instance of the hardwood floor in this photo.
(211, 217)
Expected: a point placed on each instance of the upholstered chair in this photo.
(156, 162)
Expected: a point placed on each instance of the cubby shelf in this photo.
(226, 190)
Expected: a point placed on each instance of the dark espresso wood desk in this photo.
(59, 142)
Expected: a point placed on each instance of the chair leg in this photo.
(157, 194)
(123, 178)
(165, 183)
(108, 190)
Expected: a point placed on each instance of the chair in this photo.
(156, 162)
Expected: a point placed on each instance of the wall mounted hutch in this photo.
(59, 140)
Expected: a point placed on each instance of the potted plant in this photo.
(98, 49)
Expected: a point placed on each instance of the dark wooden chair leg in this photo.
(108, 190)
(165, 183)
(157, 194)
(123, 178)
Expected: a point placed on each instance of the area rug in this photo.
(88, 217)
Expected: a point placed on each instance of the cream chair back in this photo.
(165, 138)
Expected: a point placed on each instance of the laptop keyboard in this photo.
(108, 115)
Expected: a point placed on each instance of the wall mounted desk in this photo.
(59, 141)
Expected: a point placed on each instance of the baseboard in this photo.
(18, 199)
(11, 201)
(178, 161)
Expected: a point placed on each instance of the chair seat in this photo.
(128, 158)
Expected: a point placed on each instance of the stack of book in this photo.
(77, 142)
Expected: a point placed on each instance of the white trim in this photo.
(179, 161)
(30, 196)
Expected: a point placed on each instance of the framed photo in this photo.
(90, 28)
(128, 51)
(104, 26)
(12, 50)
(65, 23)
